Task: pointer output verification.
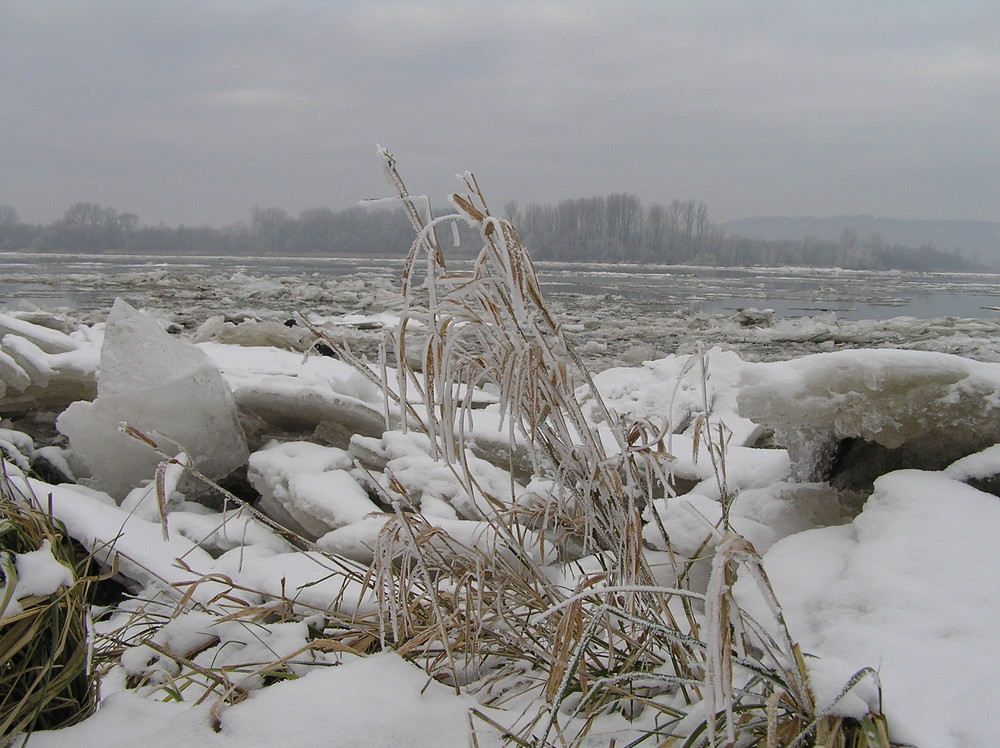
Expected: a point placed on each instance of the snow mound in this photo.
(912, 588)
(38, 573)
(366, 702)
(307, 487)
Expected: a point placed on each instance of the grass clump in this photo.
(557, 604)
(46, 679)
(550, 611)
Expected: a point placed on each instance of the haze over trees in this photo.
(617, 228)
(976, 240)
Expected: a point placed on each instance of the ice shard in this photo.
(164, 387)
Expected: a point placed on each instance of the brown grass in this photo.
(553, 618)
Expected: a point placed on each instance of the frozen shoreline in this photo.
(871, 614)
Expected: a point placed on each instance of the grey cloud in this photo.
(194, 111)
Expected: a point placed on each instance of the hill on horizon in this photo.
(975, 240)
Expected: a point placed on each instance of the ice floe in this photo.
(876, 563)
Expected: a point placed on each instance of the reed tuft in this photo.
(46, 679)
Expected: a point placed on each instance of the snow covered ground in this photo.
(861, 455)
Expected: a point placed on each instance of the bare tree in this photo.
(512, 212)
(8, 216)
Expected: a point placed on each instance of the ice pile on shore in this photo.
(44, 368)
(898, 577)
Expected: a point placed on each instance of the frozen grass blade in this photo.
(492, 326)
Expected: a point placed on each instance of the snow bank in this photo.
(911, 588)
(366, 702)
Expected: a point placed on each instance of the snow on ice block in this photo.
(49, 340)
(32, 380)
(429, 481)
(865, 412)
(282, 391)
(673, 388)
(29, 357)
(12, 376)
(911, 588)
(163, 387)
(307, 488)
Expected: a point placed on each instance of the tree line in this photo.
(617, 228)
(87, 227)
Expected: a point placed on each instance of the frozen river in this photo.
(619, 310)
(92, 281)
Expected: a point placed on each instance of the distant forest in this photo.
(616, 228)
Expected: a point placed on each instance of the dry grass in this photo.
(607, 636)
(552, 617)
(46, 681)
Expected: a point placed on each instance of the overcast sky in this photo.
(193, 111)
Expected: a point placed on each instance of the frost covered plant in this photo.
(545, 606)
(46, 679)
(557, 602)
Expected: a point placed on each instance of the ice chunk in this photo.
(429, 483)
(286, 393)
(762, 515)
(766, 515)
(307, 487)
(53, 464)
(983, 464)
(854, 415)
(17, 447)
(12, 376)
(981, 470)
(32, 379)
(49, 340)
(675, 388)
(221, 532)
(254, 333)
(356, 541)
(29, 357)
(164, 387)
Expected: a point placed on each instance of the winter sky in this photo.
(193, 111)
